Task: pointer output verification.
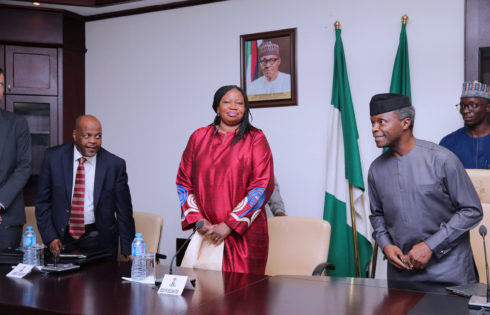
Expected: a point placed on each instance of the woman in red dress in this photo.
(225, 179)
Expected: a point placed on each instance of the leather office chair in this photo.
(297, 246)
(481, 181)
(150, 225)
(477, 243)
(31, 220)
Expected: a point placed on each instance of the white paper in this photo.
(202, 253)
(20, 271)
(147, 280)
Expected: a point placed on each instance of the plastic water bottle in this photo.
(28, 242)
(138, 269)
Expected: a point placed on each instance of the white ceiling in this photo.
(91, 11)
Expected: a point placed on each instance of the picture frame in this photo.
(268, 68)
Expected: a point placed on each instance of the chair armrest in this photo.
(321, 267)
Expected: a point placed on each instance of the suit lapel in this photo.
(68, 170)
(4, 125)
(100, 171)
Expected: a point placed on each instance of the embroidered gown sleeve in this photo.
(190, 210)
(259, 190)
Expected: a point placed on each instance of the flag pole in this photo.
(375, 259)
(404, 19)
(354, 232)
(352, 211)
(375, 249)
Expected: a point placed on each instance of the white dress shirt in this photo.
(88, 203)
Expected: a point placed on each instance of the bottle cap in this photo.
(29, 227)
(138, 235)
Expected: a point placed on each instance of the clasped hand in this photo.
(418, 257)
(215, 232)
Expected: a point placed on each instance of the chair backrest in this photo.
(150, 225)
(481, 181)
(31, 220)
(477, 243)
(296, 245)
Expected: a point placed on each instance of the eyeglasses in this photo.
(270, 61)
(470, 106)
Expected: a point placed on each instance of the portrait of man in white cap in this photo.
(273, 81)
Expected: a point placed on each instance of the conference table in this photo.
(98, 288)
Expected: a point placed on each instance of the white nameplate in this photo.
(20, 271)
(172, 284)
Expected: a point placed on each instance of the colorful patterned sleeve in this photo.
(259, 189)
(190, 211)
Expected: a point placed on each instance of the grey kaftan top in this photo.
(425, 195)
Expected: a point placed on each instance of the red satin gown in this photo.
(230, 184)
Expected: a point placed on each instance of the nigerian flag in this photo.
(400, 79)
(344, 168)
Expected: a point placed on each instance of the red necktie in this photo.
(77, 224)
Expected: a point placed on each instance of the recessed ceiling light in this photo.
(36, 3)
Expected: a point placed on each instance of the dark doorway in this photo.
(484, 75)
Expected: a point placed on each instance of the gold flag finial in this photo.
(404, 19)
(337, 25)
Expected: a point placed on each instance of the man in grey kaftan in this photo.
(421, 197)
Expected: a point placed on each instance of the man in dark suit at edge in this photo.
(82, 188)
(15, 169)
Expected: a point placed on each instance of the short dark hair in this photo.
(407, 112)
(245, 125)
(1, 71)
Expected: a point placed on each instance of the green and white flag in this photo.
(344, 168)
(400, 79)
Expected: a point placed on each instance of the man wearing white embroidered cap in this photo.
(472, 142)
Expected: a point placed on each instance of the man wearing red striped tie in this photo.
(84, 188)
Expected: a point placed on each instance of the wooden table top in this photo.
(98, 289)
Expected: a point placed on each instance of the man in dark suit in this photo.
(15, 169)
(82, 188)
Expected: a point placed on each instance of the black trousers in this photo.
(84, 242)
(10, 237)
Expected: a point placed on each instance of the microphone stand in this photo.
(480, 302)
(486, 268)
(199, 225)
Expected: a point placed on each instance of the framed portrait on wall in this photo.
(268, 68)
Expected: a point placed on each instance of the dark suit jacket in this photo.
(15, 167)
(112, 200)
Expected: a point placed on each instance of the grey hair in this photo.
(407, 112)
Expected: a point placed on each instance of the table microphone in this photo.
(480, 301)
(199, 225)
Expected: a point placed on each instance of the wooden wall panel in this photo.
(31, 26)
